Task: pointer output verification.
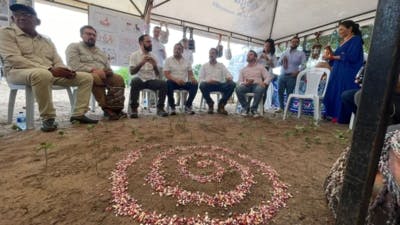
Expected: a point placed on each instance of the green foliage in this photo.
(45, 146)
(124, 73)
(196, 71)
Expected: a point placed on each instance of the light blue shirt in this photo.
(296, 61)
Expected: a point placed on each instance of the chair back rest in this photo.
(313, 78)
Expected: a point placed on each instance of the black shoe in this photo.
(173, 112)
(134, 114)
(162, 113)
(49, 125)
(82, 119)
(210, 109)
(111, 115)
(189, 111)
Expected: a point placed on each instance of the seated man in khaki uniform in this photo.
(86, 57)
(30, 58)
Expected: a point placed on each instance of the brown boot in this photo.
(110, 114)
(134, 113)
(210, 108)
(221, 109)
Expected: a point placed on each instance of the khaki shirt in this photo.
(21, 51)
(85, 59)
(178, 68)
(146, 72)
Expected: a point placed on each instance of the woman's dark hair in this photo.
(272, 44)
(355, 27)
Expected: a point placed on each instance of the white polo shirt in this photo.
(179, 68)
(216, 72)
(146, 72)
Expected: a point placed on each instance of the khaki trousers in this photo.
(42, 80)
(99, 87)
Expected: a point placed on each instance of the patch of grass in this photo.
(45, 146)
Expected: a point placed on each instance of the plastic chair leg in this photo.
(11, 104)
(30, 104)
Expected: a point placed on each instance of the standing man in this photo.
(143, 63)
(32, 59)
(86, 57)
(253, 78)
(179, 76)
(215, 77)
(157, 46)
(187, 53)
(293, 61)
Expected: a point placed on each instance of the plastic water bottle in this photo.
(239, 108)
(145, 103)
(21, 121)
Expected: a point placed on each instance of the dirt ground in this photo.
(75, 187)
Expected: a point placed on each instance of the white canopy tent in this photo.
(245, 20)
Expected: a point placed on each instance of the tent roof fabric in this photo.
(250, 20)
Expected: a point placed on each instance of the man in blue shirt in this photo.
(293, 61)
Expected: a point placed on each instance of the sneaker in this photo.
(278, 110)
(82, 119)
(49, 125)
(244, 113)
(122, 114)
(254, 113)
(173, 112)
(162, 113)
(189, 110)
(134, 114)
(210, 109)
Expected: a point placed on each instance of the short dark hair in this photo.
(141, 38)
(295, 37)
(87, 27)
(254, 52)
(180, 44)
(214, 49)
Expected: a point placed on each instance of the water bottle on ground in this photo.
(145, 103)
(239, 109)
(21, 121)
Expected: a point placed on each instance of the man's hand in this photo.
(62, 72)
(294, 74)
(194, 81)
(150, 60)
(100, 73)
(285, 62)
(262, 84)
(108, 72)
(212, 81)
(229, 78)
(180, 82)
(248, 82)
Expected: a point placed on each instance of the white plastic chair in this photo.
(313, 77)
(145, 99)
(203, 103)
(30, 101)
(182, 95)
(249, 97)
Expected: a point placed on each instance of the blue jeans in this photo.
(285, 82)
(188, 86)
(241, 92)
(226, 89)
(348, 99)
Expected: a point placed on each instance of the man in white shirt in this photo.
(179, 76)
(187, 53)
(143, 63)
(215, 77)
(253, 78)
(158, 48)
